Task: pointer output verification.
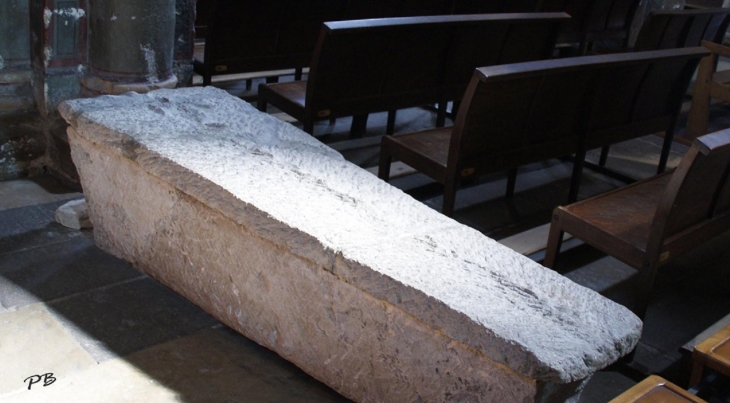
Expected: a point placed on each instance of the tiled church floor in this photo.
(108, 333)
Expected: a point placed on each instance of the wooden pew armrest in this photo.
(717, 48)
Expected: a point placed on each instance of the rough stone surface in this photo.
(363, 287)
(74, 214)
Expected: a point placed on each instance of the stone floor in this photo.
(108, 333)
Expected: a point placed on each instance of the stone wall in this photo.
(355, 282)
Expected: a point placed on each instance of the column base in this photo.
(92, 86)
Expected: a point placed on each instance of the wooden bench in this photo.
(367, 66)
(245, 36)
(523, 113)
(649, 223)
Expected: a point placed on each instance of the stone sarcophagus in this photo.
(364, 288)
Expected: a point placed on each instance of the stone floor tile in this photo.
(221, 365)
(124, 318)
(32, 342)
(53, 271)
(32, 191)
(602, 274)
(530, 241)
(32, 226)
(638, 158)
(115, 381)
(216, 365)
(605, 386)
(676, 318)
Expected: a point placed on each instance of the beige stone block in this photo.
(355, 282)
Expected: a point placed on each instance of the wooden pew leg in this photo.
(455, 109)
(249, 84)
(511, 181)
(700, 108)
(261, 104)
(666, 148)
(390, 128)
(604, 156)
(207, 80)
(359, 125)
(643, 288)
(698, 367)
(308, 127)
(580, 158)
(449, 196)
(298, 74)
(555, 241)
(441, 114)
(384, 165)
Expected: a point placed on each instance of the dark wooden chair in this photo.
(670, 29)
(368, 66)
(593, 21)
(649, 223)
(523, 113)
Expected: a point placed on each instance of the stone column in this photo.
(131, 45)
(20, 141)
(15, 92)
(15, 41)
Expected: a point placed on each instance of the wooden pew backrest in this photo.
(372, 65)
(696, 203)
(254, 35)
(517, 114)
(668, 29)
(593, 20)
